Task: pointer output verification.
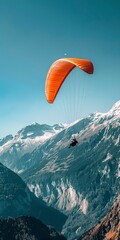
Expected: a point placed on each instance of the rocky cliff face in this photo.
(108, 228)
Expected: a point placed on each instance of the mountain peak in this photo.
(116, 105)
(6, 139)
(38, 130)
(115, 108)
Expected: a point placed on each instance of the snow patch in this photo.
(108, 157)
(78, 231)
(29, 134)
(20, 171)
(106, 171)
(118, 175)
(117, 141)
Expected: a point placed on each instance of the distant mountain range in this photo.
(25, 141)
(109, 228)
(27, 228)
(80, 181)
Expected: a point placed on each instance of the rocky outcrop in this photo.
(109, 228)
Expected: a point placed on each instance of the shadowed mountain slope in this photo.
(17, 200)
(27, 228)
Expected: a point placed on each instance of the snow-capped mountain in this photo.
(17, 200)
(25, 141)
(27, 228)
(108, 228)
(5, 140)
(80, 181)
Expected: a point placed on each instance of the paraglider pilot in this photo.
(73, 143)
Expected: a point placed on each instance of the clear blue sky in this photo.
(35, 33)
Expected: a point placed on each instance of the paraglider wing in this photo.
(59, 71)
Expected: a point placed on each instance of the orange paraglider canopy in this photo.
(59, 71)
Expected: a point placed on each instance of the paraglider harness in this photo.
(73, 143)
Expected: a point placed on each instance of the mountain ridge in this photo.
(25, 141)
